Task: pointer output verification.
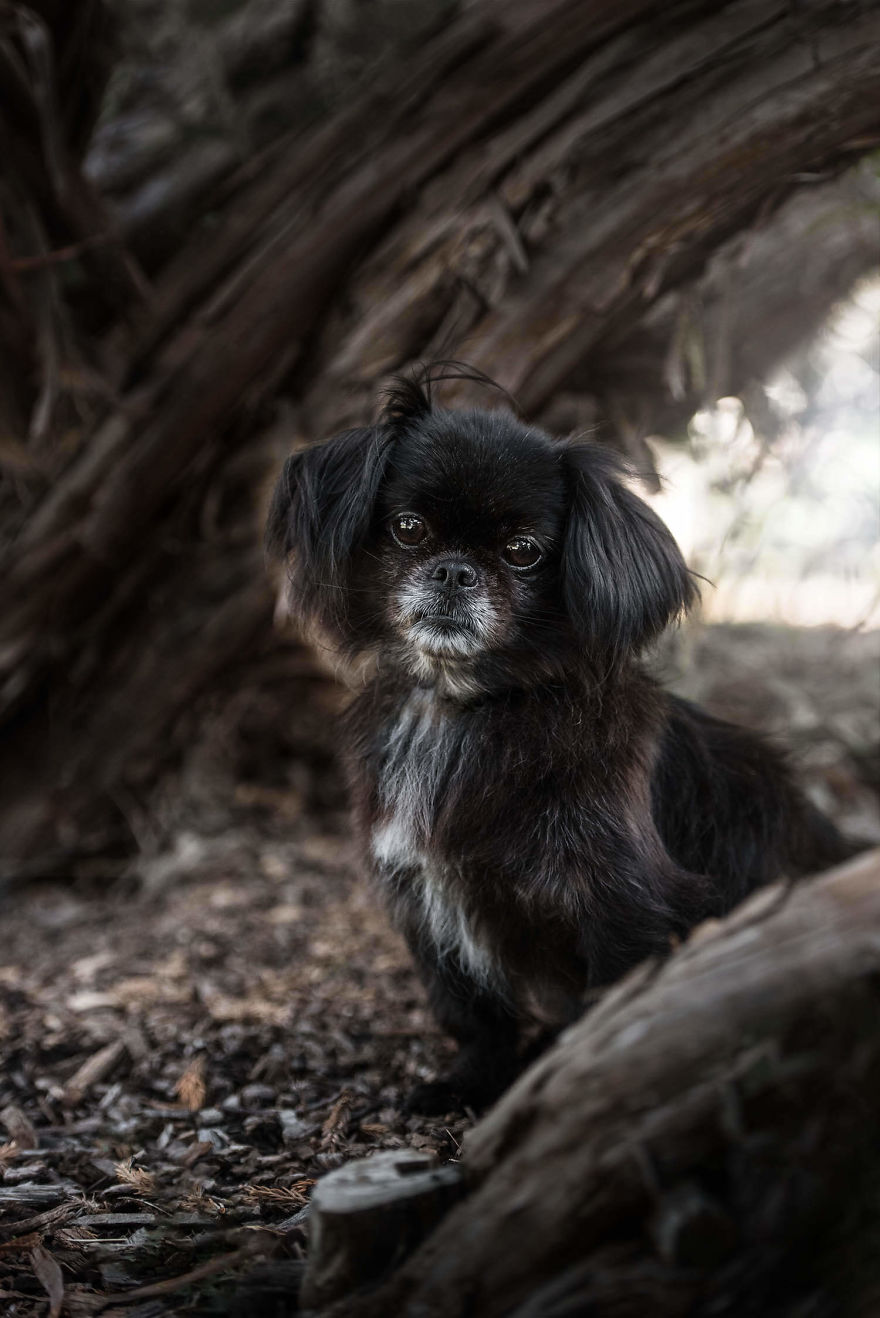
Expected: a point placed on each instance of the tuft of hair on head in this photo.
(410, 398)
(407, 398)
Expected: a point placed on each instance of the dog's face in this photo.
(466, 543)
(473, 551)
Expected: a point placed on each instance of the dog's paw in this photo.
(435, 1098)
(468, 1087)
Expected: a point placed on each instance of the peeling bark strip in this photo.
(540, 177)
(704, 1141)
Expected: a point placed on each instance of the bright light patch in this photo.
(786, 524)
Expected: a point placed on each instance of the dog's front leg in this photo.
(484, 1026)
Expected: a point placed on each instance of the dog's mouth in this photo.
(443, 630)
(440, 636)
(445, 623)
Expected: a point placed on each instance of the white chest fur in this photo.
(424, 749)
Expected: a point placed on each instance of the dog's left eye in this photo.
(408, 529)
(522, 552)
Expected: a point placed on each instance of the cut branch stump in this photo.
(367, 1216)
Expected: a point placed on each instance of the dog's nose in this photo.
(454, 572)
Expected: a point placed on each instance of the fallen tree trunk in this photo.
(704, 1141)
(537, 180)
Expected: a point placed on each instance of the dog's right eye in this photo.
(522, 552)
(408, 530)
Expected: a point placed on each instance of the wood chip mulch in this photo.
(181, 1060)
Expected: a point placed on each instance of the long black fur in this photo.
(539, 813)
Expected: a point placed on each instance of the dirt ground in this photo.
(182, 1062)
(188, 1047)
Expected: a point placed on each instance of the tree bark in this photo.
(540, 182)
(702, 1142)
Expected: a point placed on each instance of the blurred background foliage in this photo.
(778, 505)
(222, 226)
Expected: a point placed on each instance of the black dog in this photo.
(540, 814)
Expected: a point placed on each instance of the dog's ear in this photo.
(624, 576)
(321, 514)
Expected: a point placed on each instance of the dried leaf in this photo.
(338, 1117)
(48, 1273)
(95, 1069)
(191, 1088)
(140, 1180)
(19, 1243)
(8, 1151)
(21, 1130)
(279, 1194)
(195, 1152)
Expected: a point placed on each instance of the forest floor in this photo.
(186, 1049)
(184, 1059)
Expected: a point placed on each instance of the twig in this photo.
(25, 264)
(262, 1242)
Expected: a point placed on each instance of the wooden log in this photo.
(704, 1141)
